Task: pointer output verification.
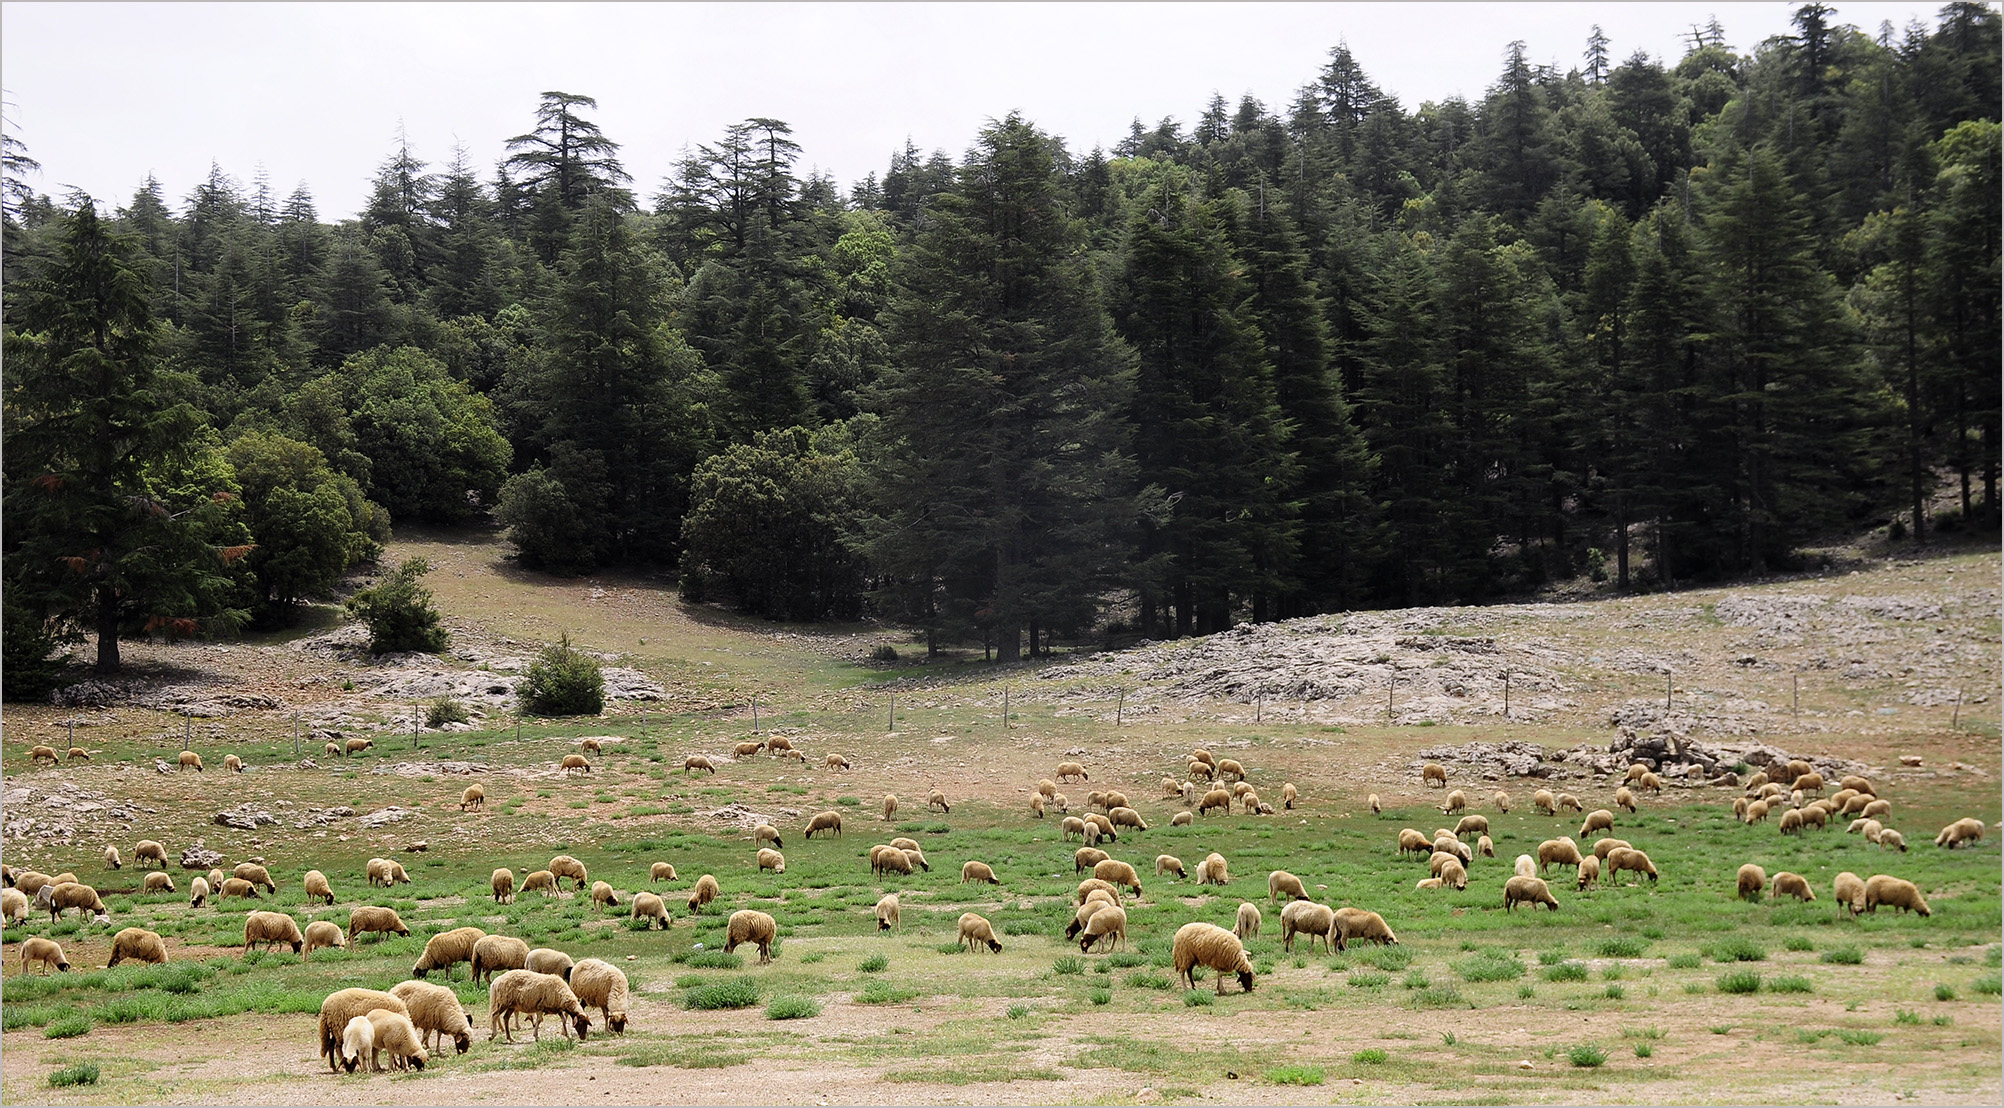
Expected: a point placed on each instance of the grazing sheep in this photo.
(1602, 846)
(1216, 798)
(198, 891)
(1965, 830)
(576, 763)
(494, 954)
(650, 907)
(1280, 881)
(1429, 884)
(356, 746)
(1432, 772)
(1412, 842)
(1589, 872)
(1446, 843)
(158, 882)
(1439, 860)
(1501, 800)
(1455, 802)
(563, 865)
(386, 872)
(1890, 839)
(1568, 800)
(1849, 890)
(1122, 816)
(1214, 948)
(977, 871)
(1814, 816)
(916, 857)
(602, 985)
(233, 763)
(544, 960)
(1372, 800)
(1527, 890)
(1600, 819)
(47, 952)
(705, 891)
(149, 851)
(1086, 857)
(542, 880)
(976, 930)
(503, 884)
(399, 1036)
(31, 882)
(1106, 927)
(1901, 894)
(323, 933)
(1098, 899)
(1562, 852)
(1356, 923)
(1477, 824)
(71, 894)
(332, 750)
(1229, 768)
(1047, 787)
(358, 1044)
(746, 749)
(216, 879)
(1114, 799)
(1756, 812)
(1167, 864)
(1862, 784)
(236, 886)
(41, 752)
(372, 918)
(1877, 809)
(1037, 805)
(188, 758)
(1305, 917)
(1525, 867)
(1791, 822)
(1811, 782)
(1740, 808)
(1071, 825)
(270, 929)
(1180, 819)
(690, 765)
(1246, 925)
(1752, 880)
(1792, 884)
(903, 843)
(317, 887)
(663, 871)
(1212, 870)
(522, 992)
(473, 797)
(1104, 825)
(436, 1013)
(890, 806)
(1118, 873)
(889, 859)
(887, 914)
(1091, 885)
(256, 875)
(937, 799)
(1625, 858)
(1453, 874)
(1868, 827)
(447, 949)
(829, 822)
(769, 859)
(345, 1005)
(1651, 782)
(111, 860)
(137, 944)
(1072, 770)
(603, 896)
(13, 905)
(1288, 795)
(1623, 799)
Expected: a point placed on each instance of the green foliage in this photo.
(1842, 956)
(68, 1026)
(78, 1073)
(1740, 981)
(875, 963)
(792, 1007)
(435, 453)
(1369, 1056)
(1688, 960)
(1735, 950)
(1622, 946)
(1790, 983)
(443, 710)
(879, 991)
(768, 522)
(1068, 965)
(563, 681)
(1198, 998)
(1860, 1036)
(1586, 1055)
(1565, 971)
(1100, 996)
(399, 613)
(1296, 1075)
(738, 992)
(1944, 992)
(310, 523)
(1990, 985)
(1490, 965)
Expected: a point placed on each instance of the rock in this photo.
(245, 817)
(1910, 759)
(308, 763)
(418, 847)
(200, 857)
(385, 816)
(161, 767)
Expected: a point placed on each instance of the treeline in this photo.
(1654, 323)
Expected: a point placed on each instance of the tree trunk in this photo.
(1008, 644)
(107, 630)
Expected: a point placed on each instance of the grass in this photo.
(1740, 982)
(739, 992)
(1490, 966)
(1991, 985)
(875, 963)
(879, 991)
(1295, 1075)
(1790, 984)
(1369, 1056)
(1566, 971)
(1587, 1056)
(1861, 1037)
(79, 1073)
(1842, 956)
(1736, 950)
(67, 1027)
(792, 1007)
(1621, 946)
(1944, 992)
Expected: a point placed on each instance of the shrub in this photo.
(875, 963)
(1018, 1011)
(1790, 984)
(1552, 957)
(1644, 1050)
(1295, 1075)
(1622, 947)
(67, 1026)
(1736, 950)
(1586, 1056)
(1490, 966)
(792, 1008)
(564, 681)
(1684, 961)
(1842, 956)
(1142, 979)
(1860, 1037)
(879, 991)
(1100, 996)
(884, 653)
(1987, 986)
(1566, 971)
(444, 710)
(1739, 981)
(1438, 996)
(399, 613)
(739, 992)
(713, 959)
(1798, 944)
(1198, 998)
(1370, 1056)
(82, 1073)
(1941, 992)
(1070, 965)
(1365, 979)
(1904, 1016)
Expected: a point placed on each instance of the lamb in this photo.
(1589, 872)
(887, 914)
(1752, 880)
(662, 871)
(1212, 870)
(541, 879)
(1600, 819)
(1376, 808)
(1246, 925)
(1623, 799)
(1621, 858)
(1477, 824)
(233, 763)
(1180, 819)
(149, 851)
(358, 1044)
(1528, 890)
(371, 918)
(603, 896)
(1901, 894)
(1305, 917)
(1230, 768)
(1485, 847)
(1849, 890)
(602, 985)
(444, 950)
(345, 1005)
(158, 882)
(521, 992)
(976, 930)
(705, 891)
(473, 797)
(1890, 839)
(198, 890)
(576, 763)
(1412, 842)
(1964, 830)
(1216, 949)
(1356, 923)
(189, 758)
(1167, 864)
(1072, 770)
(1501, 800)
(1455, 802)
(45, 951)
(1216, 798)
(1792, 884)
(650, 907)
(829, 822)
(1432, 772)
(1568, 800)
(769, 859)
(256, 875)
(563, 865)
(690, 765)
(332, 750)
(494, 954)
(937, 799)
(1086, 857)
(977, 871)
(137, 944)
(323, 933)
(436, 1013)
(1542, 800)
(399, 1036)
(1280, 881)
(890, 807)
(1288, 795)
(357, 745)
(544, 960)
(746, 749)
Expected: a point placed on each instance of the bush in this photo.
(564, 681)
(792, 1008)
(1069, 965)
(1100, 996)
(445, 710)
(875, 963)
(739, 992)
(399, 613)
(1566, 971)
(1987, 986)
(1736, 950)
(1739, 981)
(67, 1026)
(1370, 1056)
(1941, 992)
(1490, 966)
(1622, 947)
(1198, 998)
(879, 991)
(713, 959)
(82, 1073)
(1790, 984)
(1586, 1056)
(1842, 956)
(884, 653)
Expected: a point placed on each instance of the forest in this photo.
(1647, 322)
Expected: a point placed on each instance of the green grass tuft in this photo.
(879, 991)
(67, 1026)
(1566, 971)
(1842, 956)
(1739, 981)
(738, 992)
(1370, 1056)
(1295, 1075)
(875, 963)
(792, 1007)
(1587, 1056)
(1790, 984)
(80, 1073)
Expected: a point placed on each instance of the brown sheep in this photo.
(1501, 800)
(1216, 798)
(770, 859)
(1037, 805)
(1602, 846)
(137, 944)
(1180, 819)
(1216, 949)
(1589, 872)
(41, 752)
(977, 871)
(1792, 884)
(746, 749)
(357, 745)
(494, 954)
(890, 807)
(1623, 799)
(975, 930)
(563, 865)
(779, 745)
(522, 992)
(1600, 819)
(1877, 809)
(1485, 847)
(1213, 870)
(72, 894)
(703, 893)
(1849, 889)
(45, 952)
(447, 949)
(888, 918)
(1280, 881)
(1965, 830)
(1167, 864)
(1413, 842)
(1901, 894)
(649, 907)
(1477, 824)
(372, 918)
(256, 875)
(1757, 812)
(271, 928)
(1103, 824)
(1563, 852)
(1791, 822)
(345, 1005)
(1091, 885)
(1455, 802)
(1201, 771)
(1861, 784)
(1048, 788)
(1752, 880)
(1620, 859)
(1072, 771)
(1356, 923)
(603, 896)
(1246, 925)
(696, 762)
(1097, 900)
(190, 758)
(1453, 875)
(1651, 783)
(575, 763)
(1229, 768)
(474, 797)
(158, 882)
(1115, 872)
(503, 884)
(1123, 816)
(1106, 927)
(1811, 782)
(544, 960)
(1086, 857)
(937, 799)
(542, 880)
(149, 851)
(1305, 917)
(602, 985)
(1544, 802)
(828, 823)
(1288, 795)
(233, 763)
(589, 745)
(1568, 800)
(1890, 839)
(834, 761)
(323, 934)
(1527, 890)
(317, 887)
(198, 891)
(661, 871)
(332, 750)
(436, 1013)
(1433, 772)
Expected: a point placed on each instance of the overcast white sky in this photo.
(103, 94)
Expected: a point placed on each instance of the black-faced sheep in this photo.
(1601, 847)
(1849, 889)
(522, 992)
(1562, 852)
(889, 859)
(1092, 885)
(1965, 830)
(446, 949)
(1792, 884)
(357, 745)
(1453, 875)
(1097, 900)
(41, 752)
(158, 882)
(1072, 771)
(563, 865)
(577, 763)
(1411, 841)
(256, 875)
(111, 860)
(661, 871)
(1568, 800)
(1902, 894)
(1118, 873)
(317, 887)
(13, 905)
(937, 799)
(345, 1005)
(1476, 824)
(769, 859)
(1751, 882)
(649, 907)
(1455, 802)
(1623, 799)
(71, 894)
(1086, 857)
(1214, 948)
(189, 759)
(704, 891)
(541, 880)
(1212, 870)
(137, 944)
(1501, 800)
(372, 918)
(396, 1034)
(45, 952)
(603, 895)
(1106, 927)
(1589, 872)
(1215, 800)
(198, 891)
(1890, 839)
(323, 934)
(1230, 770)
(887, 914)
(503, 884)
(1620, 859)
(1485, 847)
(602, 985)
(1166, 864)
(494, 954)
(545, 960)
(358, 1045)
(1305, 917)
(977, 871)
(827, 823)
(1527, 890)
(436, 1013)
(271, 929)
(149, 851)
(976, 930)
(746, 749)
(1280, 881)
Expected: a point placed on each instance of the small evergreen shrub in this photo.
(564, 681)
(399, 613)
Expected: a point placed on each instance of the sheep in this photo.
(1650, 782)
(915, 856)
(30, 882)
(889, 859)
(746, 749)
(270, 929)
(1563, 852)
(1204, 756)
(1215, 948)
(663, 871)
(1429, 884)
(45, 951)
(1501, 800)
(158, 882)
(1756, 782)
(1568, 800)
(345, 1005)
(1485, 847)
(1097, 900)
(1071, 825)
(1752, 880)
(256, 875)
(1104, 825)
(1589, 872)
(1212, 870)
(399, 1036)
(71, 894)
(41, 752)
(1123, 816)
(1432, 772)
(650, 907)
(1544, 802)
(1628, 858)
(1815, 816)
(888, 918)
(890, 807)
(1357, 923)
(1756, 812)
(590, 745)
(494, 954)
(1796, 769)
(357, 745)
(323, 933)
(603, 896)
(1602, 846)
(503, 884)
(827, 823)
(317, 887)
(1453, 874)
(1890, 839)
(1246, 924)
(13, 905)
(188, 758)
(1770, 791)
(1280, 881)
(371, 918)
(1740, 808)
(937, 799)
(1883, 889)
(705, 891)
(1412, 842)
(769, 859)
(233, 763)
(1167, 864)
(1525, 867)
(1106, 927)
(521, 992)
(1529, 890)
(544, 960)
(1180, 819)
(198, 891)
(111, 860)
(1446, 843)
(1811, 782)
(977, 871)
(1119, 873)
(474, 797)
(1876, 809)
(445, 949)
(779, 745)
(1037, 805)
(1849, 890)
(1439, 860)
(436, 1013)
(137, 944)
(602, 985)
(1114, 798)
(1600, 819)
(1455, 802)
(1862, 784)
(541, 879)
(576, 763)
(563, 865)
(385, 872)
(358, 1044)
(1072, 770)
(690, 765)
(1477, 824)
(1288, 795)
(149, 851)
(1965, 830)
(1624, 799)
(1092, 886)
(1305, 917)
(1201, 771)
(1048, 788)
(1230, 768)
(1216, 798)
(1792, 884)
(1791, 822)
(1086, 857)
(332, 750)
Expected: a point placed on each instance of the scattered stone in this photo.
(307, 763)
(245, 817)
(418, 847)
(161, 767)
(1910, 759)
(200, 857)
(385, 816)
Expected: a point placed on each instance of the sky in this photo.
(104, 94)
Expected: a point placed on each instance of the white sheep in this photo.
(494, 954)
(661, 871)
(158, 882)
(603, 895)
(396, 1034)
(1280, 881)
(198, 891)
(524, 992)
(750, 926)
(323, 934)
(1246, 924)
(975, 930)
(827, 823)
(651, 908)
(888, 918)
(773, 860)
(345, 1005)
(602, 985)
(358, 1044)
(437, 1014)
(503, 884)
(1213, 947)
